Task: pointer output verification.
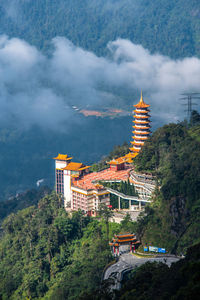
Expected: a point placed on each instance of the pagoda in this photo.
(141, 127)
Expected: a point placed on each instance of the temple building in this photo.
(117, 163)
(124, 242)
(65, 171)
(82, 189)
(141, 126)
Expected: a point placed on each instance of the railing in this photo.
(142, 179)
(126, 197)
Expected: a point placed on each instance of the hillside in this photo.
(21, 201)
(181, 281)
(43, 250)
(173, 155)
(171, 28)
(47, 254)
(157, 281)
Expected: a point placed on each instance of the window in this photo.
(59, 182)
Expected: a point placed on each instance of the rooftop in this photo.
(73, 166)
(62, 157)
(89, 181)
(117, 161)
(141, 103)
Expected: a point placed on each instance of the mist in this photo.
(36, 89)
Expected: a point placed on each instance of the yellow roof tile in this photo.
(73, 166)
(62, 157)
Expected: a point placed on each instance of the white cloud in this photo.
(36, 89)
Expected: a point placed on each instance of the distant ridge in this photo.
(169, 27)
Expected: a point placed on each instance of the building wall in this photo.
(79, 201)
(59, 182)
(67, 189)
(83, 200)
(60, 164)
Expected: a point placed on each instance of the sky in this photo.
(39, 89)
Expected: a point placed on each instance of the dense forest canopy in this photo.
(173, 155)
(181, 281)
(46, 253)
(171, 28)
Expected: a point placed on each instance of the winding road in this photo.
(129, 262)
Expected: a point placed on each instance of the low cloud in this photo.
(36, 89)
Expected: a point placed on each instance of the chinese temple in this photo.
(141, 126)
(80, 188)
(127, 239)
(117, 163)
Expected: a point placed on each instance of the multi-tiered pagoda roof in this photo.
(141, 125)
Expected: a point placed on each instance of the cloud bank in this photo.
(39, 89)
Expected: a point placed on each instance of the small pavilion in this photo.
(120, 240)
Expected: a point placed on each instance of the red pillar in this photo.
(131, 247)
(114, 249)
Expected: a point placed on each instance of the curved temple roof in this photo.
(64, 157)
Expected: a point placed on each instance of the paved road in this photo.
(128, 262)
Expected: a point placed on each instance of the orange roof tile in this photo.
(141, 127)
(141, 132)
(62, 157)
(73, 166)
(141, 122)
(127, 240)
(75, 175)
(141, 112)
(98, 186)
(142, 117)
(141, 103)
(131, 155)
(138, 143)
(117, 161)
(119, 236)
(84, 168)
(89, 181)
(140, 138)
(134, 149)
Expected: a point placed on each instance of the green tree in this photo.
(105, 213)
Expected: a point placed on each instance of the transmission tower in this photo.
(189, 97)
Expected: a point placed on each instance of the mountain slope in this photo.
(171, 28)
(45, 251)
(173, 154)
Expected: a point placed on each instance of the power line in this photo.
(189, 97)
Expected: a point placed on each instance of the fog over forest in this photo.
(40, 89)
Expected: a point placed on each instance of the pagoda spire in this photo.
(141, 98)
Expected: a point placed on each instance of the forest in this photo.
(170, 28)
(158, 281)
(46, 253)
(173, 155)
